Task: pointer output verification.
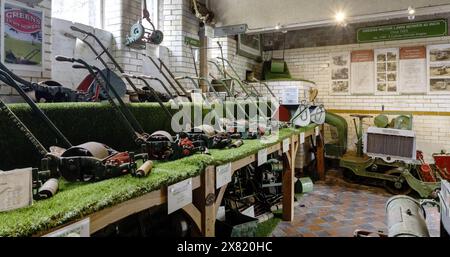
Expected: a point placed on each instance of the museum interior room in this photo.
(225, 119)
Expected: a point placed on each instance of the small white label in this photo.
(221, 213)
(79, 229)
(16, 189)
(250, 212)
(262, 157)
(223, 175)
(286, 144)
(317, 131)
(179, 195)
(302, 138)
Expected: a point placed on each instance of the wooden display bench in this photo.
(206, 199)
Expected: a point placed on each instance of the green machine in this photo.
(385, 153)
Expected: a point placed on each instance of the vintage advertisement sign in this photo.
(423, 29)
(22, 36)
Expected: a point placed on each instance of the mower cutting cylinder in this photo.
(406, 217)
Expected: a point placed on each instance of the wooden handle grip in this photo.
(145, 169)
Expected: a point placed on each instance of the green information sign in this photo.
(192, 41)
(423, 29)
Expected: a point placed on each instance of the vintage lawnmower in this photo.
(179, 146)
(389, 155)
(143, 95)
(88, 162)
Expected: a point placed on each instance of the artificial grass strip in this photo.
(78, 200)
(266, 228)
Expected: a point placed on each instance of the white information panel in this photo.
(223, 175)
(179, 195)
(286, 144)
(16, 189)
(79, 229)
(262, 157)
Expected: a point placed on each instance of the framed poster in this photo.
(439, 69)
(362, 72)
(413, 70)
(386, 70)
(22, 41)
(340, 73)
(250, 46)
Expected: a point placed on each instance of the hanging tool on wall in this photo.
(202, 13)
(141, 35)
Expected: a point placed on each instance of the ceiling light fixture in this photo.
(340, 17)
(411, 13)
(278, 26)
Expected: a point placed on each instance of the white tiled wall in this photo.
(433, 132)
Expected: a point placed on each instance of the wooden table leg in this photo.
(207, 205)
(288, 181)
(320, 155)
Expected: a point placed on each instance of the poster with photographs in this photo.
(413, 70)
(22, 41)
(340, 73)
(439, 69)
(386, 71)
(362, 72)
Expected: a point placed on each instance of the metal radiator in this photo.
(391, 144)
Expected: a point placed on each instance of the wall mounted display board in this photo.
(421, 29)
(386, 70)
(362, 72)
(412, 70)
(439, 69)
(340, 73)
(22, 36)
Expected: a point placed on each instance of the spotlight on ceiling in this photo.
(411, 13)
(278, 26)
(340, 17)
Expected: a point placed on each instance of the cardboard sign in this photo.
(79, 229)
(302, 138)
(262, 157)
(286, 144)
(16, 189)
(223, 175)
(179, 195)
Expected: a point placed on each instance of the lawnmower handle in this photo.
(129, 75)
(60, 58)
(77, 66)
(78, 30)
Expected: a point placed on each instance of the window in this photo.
(89, 12)
(152, 6)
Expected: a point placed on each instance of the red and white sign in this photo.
(23, 21)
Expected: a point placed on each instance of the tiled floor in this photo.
(337, 208)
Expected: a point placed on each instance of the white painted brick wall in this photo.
(433, 132)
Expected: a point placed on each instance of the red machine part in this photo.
(425, 169)
(187, 145)
(118, 159)
(442, 162)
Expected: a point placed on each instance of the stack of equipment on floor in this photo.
(388, 154)
(405, 217)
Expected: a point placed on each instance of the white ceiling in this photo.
(260, 14)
